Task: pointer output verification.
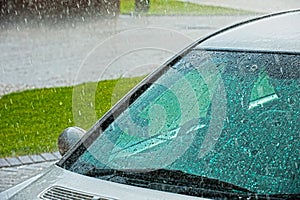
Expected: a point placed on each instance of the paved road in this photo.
(13, 175)
(51, 55)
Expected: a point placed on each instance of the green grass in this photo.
(173, 7)
(30, 121)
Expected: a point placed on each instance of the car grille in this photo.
(62, 193)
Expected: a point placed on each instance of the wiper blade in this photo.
(168, 180)
(180, 182)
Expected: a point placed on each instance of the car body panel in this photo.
(277, 33)
(57, 176)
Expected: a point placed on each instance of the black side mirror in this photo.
(68, 138)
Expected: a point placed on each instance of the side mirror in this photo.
(68, 138)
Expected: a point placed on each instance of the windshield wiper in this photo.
(179, 182)
(170, 181)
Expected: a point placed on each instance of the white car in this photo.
(219, 120)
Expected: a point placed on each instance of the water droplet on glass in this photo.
(253, 68)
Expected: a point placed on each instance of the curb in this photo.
(31, 159)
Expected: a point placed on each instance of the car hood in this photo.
(57, 181)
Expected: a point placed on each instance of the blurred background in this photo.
(43, 43)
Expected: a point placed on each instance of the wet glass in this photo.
(231, 116)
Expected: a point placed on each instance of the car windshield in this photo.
(232, 116)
